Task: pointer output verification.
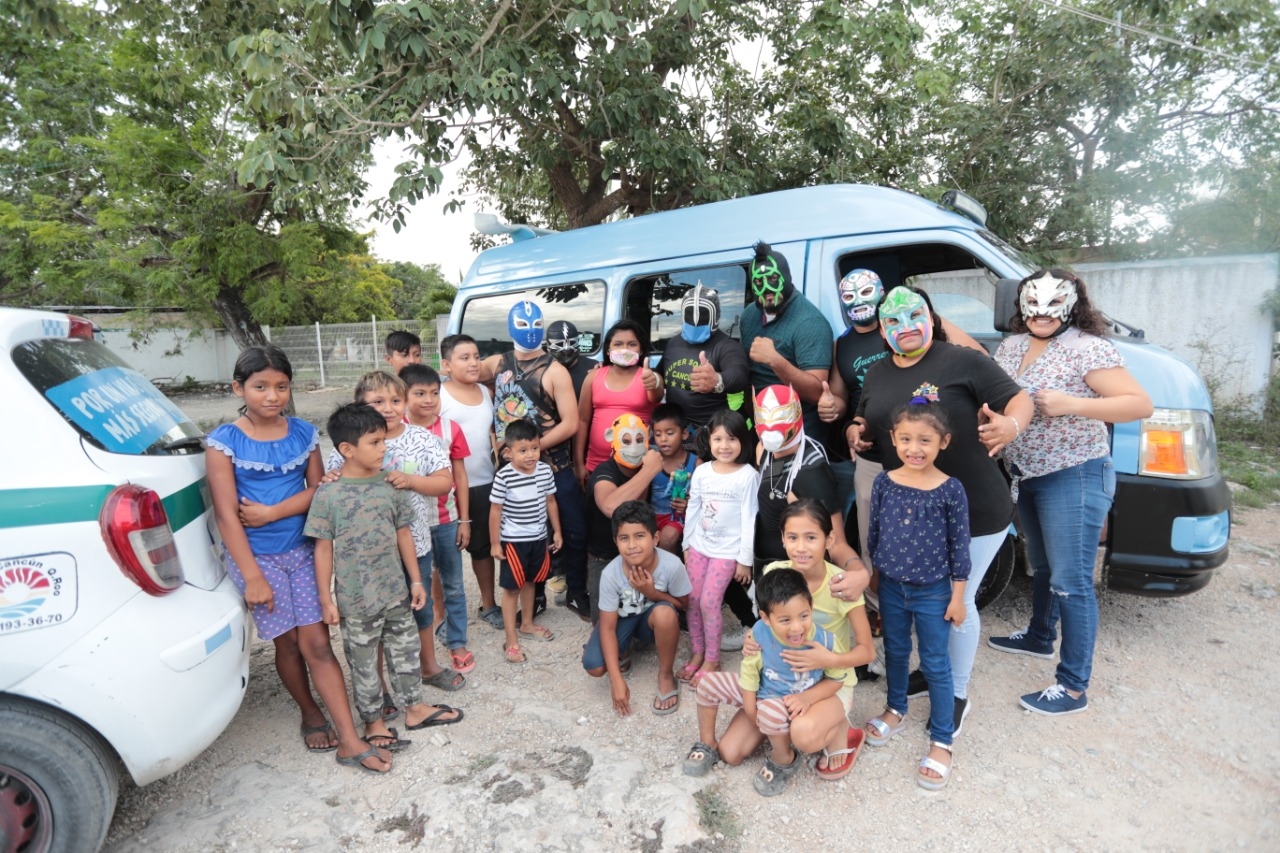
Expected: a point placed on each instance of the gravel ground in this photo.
(1179, 750)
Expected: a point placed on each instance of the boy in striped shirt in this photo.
(523, 505)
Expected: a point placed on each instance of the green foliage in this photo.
(1249, 447)
(1072, 130)
(421, 291)
(129, 130)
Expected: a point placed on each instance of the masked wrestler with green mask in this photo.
(786, 338)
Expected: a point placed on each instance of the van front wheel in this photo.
(999, 573)
(58, 783)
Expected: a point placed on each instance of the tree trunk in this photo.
(238, 319)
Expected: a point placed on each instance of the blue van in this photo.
(1170, 522)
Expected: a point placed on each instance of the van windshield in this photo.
(109, 403)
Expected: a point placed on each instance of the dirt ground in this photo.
(1180, 749)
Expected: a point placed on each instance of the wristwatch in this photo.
(719, 389)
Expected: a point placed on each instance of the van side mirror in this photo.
(1006, 306)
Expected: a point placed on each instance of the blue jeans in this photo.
(926, 605)
(964, 639)
(571, 561)
(1062, 516)
(448, 560)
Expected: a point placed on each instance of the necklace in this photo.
(533, 364)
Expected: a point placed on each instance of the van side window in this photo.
(654, 300)
(485, 317)
(958, 284)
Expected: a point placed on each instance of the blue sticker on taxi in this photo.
(117, 406)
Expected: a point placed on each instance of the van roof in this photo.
(778, 218)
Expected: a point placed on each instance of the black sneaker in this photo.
(917, 685)
(539, 606)
(963, 707)
(864, 673)
(579, 605)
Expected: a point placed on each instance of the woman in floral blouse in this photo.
(1064, 480)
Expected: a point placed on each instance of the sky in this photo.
(430, 235)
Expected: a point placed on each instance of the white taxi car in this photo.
(122, 641)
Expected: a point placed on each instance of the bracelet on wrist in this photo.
(1017, 427)
(464, 521)
(416, 583)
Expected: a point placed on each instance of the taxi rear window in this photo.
(108, 402)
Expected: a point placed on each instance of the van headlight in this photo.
(1179, 444)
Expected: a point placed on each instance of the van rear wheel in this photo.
(58, 782)
(999, 573)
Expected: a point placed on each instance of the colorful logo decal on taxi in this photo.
(37, 592)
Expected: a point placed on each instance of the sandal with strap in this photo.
(700, 760)
(389, 709)
(881, 732)
(943, 770)
(855, 740)
(464, 662)
(514, 654)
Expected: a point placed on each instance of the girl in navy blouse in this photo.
(918, 542)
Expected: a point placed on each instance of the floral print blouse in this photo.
(1050, 444)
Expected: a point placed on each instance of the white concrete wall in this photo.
(1207, 310)
(169, 356)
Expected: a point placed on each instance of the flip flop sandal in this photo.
(358, 761)
(662, 697)
(943, 770)
(434, 719)
(395, 744)
(700, 760)
(773, 777)
(462, 663)
(446, 679)
(514, 654)
(308, 731)
(389, 709)
(855, 740)
(540, 633)
(685, 673)
(883, 731)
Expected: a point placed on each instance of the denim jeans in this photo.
(926, 605)
(448, 560)
(1062, 516)
(964, 639)
(571, 561)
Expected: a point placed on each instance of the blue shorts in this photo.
(292, 577)
(630, 629)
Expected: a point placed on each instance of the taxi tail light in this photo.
(1179, 444)
(79, 328)
(136, 529)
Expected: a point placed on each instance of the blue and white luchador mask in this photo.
(524, 324)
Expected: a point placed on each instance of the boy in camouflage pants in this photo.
(364, 547)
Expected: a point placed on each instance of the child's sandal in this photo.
(514, 654)
(943, 770)
(880, 732)
(701, 758)
(773, 777)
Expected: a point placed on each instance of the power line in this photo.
(1118, 24)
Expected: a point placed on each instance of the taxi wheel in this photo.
(58, 783)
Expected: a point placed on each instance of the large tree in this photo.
(1074, 123)
(124, 126)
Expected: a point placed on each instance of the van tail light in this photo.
(136, 529)
(1179, 444)
(79, 328)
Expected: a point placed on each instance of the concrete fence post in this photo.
(319, 354)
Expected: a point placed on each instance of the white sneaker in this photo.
(732, 637)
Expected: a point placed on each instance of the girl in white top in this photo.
(719, 532)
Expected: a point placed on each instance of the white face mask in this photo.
(624, 357)
(771, 441)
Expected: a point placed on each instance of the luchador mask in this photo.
(1047, 296)
(860, 294)
(778, 417)
(902, 312)
(700, 312)
(770, 278)
(562, 342)
(630, 439)
(524, 324)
